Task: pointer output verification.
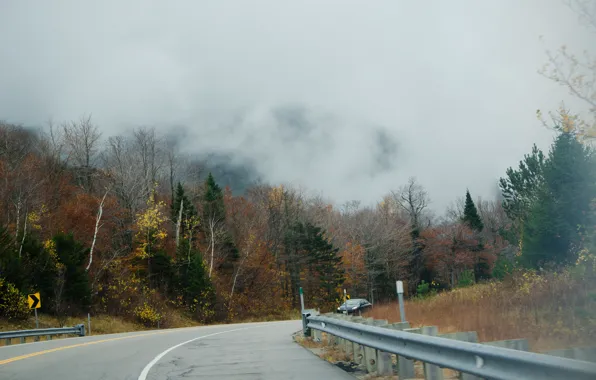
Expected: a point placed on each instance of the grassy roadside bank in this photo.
(552, 311)
(101, 324)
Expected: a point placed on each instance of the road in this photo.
(241, 351)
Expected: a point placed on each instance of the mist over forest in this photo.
(211, 160)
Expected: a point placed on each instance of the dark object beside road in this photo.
(356, 305)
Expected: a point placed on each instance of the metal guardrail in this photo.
(472, 358)
(23, 334)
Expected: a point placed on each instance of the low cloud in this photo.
(342, 97)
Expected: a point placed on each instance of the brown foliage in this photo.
(377, 245)
(552, 310)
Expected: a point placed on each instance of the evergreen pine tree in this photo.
(213, 200)
(180, 198)
(471, 217)
(308, 251)
(552, 232)
(72, 255)
(194, 285)
(325, 261)
(214, 213)
(184, 209)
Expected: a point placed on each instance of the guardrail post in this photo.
(329, 337)
(384, 363)
(385, 360)
(22, 339)
(431, 371)
(345, 344)
(467, 336)
(408, 371)
(349, 345)
(405, 367)
(358, 350)
(317, 335)
(340, 341)
(48, 337)
(81, 328)
(305, 330)
(370, 354)
(7, 342)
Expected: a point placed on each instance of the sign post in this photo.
(400, 300)
(34, 301)
(301, 301)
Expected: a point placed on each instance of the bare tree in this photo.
(493, 217)
(577, 74)
(455, 211)
(172, 161)
(413, 199)
(52, 146)
(149, 151)
(248, 220)
(379, 238)
(125, 171)
(82, 141)
(23, 179)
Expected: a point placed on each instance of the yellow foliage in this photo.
(276, 195)
(150, 229)
(33, 217)
(567, 122)
(147, 314)
(50, 247)
(13, 305)
(587, 259)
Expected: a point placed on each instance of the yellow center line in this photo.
(33, 354)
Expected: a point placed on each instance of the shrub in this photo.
(466, 278)
(147, 315)
(13, 305)
(503, 268)
(423, 288)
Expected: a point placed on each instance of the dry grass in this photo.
(332, 354)
(102, 324)
(335, 355)
(285, 316)
(105, 324)
(552, 311)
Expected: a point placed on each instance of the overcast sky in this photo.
(348, 98)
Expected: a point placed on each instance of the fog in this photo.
(348, 98)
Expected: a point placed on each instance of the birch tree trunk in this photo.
(97, 227)
(178, 223)
(24, 235)
(212, 244)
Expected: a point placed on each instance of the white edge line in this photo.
(145, 372)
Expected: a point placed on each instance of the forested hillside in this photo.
(129, 226)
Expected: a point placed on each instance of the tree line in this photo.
(130, 226)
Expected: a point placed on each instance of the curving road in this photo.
(240, 351)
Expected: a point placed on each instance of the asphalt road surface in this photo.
(241, 351)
